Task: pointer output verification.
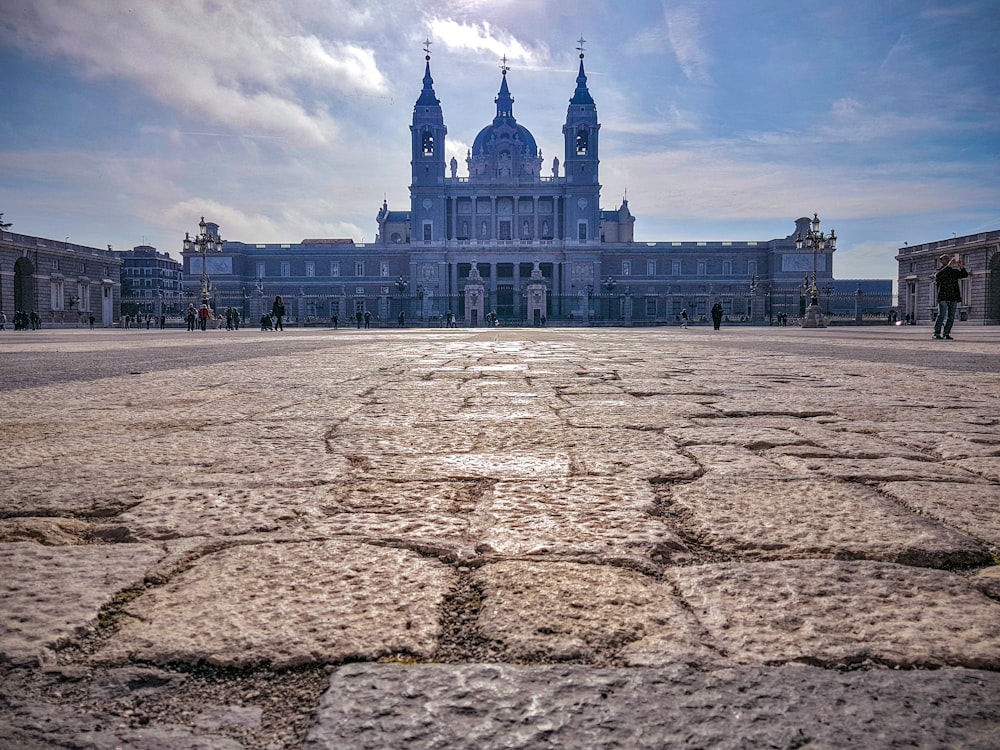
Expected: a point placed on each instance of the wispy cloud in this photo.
(684, 32)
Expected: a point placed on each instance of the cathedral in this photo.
(513, 239)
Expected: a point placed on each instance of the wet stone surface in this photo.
(499, 538)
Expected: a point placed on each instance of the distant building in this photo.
(980, 291)
(516, 238)
(64, 283)
(151, 282)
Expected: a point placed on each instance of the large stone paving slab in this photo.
(972, 508)
(288, 604)
(841, 613)
(543, 611)
(597, 518)
(770, 520)
(50, 595)
(487, 707)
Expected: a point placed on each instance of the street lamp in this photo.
(816, 241)
(609, 287)
(204, 242)
(753, 291)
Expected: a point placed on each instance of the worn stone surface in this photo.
(49, 595)
(543, 612)
(506, 706)
(842, 613)
(571, 537)
(287, 605)
(773, 520)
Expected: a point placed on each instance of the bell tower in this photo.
(583, 190)
(427, 162)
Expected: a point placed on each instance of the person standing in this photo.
(191, 315)
(278, 313)
(368, 319)
(949, 294)
(684, 318)
(204, 313)
(358, 317)
(716, 315)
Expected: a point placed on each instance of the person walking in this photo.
(717, 315)
(358, 317)
(949, 294)
(368, 319)
(204, 313)
(190, 317)
(278, 313)
(684, 318)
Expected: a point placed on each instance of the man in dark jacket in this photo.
(948, 294)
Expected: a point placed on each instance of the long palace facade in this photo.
(517, 238)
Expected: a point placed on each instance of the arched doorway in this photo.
(24, 285)
(993, 291)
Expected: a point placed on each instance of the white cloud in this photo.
(243, 66)
(485, 39)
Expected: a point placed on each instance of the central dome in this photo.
(504, 135)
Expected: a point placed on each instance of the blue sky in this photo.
(124, 123)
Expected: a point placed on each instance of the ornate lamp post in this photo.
(204, 242)
(609, 287)
(816, 241)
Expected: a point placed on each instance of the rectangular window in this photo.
(505, 234)
(383, 268)
(310, 268)
(286, 268)
(727, 268)
(651, 268)
(701, 268)
(675, 268)
(359, 268)
(626, 268)
(57, 295)
(581, 231)
(650, 307)
(260, 271)
(335, 268)
(752, 268)
(427, 231)
(83, 292)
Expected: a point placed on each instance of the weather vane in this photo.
(503, 66)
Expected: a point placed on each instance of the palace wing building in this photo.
(517, 238)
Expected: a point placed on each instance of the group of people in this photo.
(136, 321)
(23, 321)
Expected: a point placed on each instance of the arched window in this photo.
(582, 142)
(427, 143)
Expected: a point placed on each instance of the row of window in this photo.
(56, 266)
(80, 301)
(676, 268)
(310, 269)
(627, 268)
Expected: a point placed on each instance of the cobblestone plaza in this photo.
(507, 537)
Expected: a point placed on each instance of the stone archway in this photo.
(24, 285)
(993, 290)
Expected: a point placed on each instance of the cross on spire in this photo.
(427, 49)
(503, 65)
(581, 41)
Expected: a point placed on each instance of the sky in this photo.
(721, 120)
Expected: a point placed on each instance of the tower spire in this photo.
(427, 95)
(582, 93)
(504, 101)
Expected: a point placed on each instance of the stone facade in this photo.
(509, 213)
(64, 283)
(980, 291)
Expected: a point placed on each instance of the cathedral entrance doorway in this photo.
(506, 309)
(24, 285)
